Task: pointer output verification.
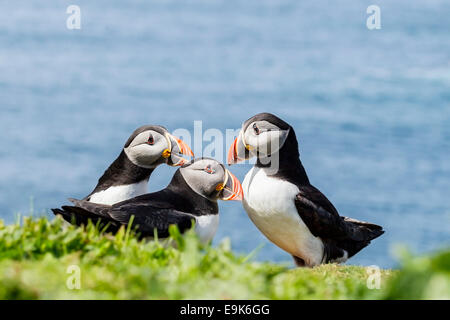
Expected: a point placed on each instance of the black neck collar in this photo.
(122, 172)
(188, 200)
(290, 167)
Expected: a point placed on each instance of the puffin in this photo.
(191, 196)
(127, 177)
(283, 204)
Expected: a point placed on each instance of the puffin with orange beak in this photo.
(128, 176)
(282, 203)
(191, 196)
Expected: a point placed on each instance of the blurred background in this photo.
(371, 108)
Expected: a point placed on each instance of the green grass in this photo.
(35, 257)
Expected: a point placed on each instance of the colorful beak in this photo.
(178, 147)
(232, 189)
(232, 153)
(238, 151)
(184, 148)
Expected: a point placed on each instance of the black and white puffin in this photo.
(127, 177)
(282, 203)
(191, 195)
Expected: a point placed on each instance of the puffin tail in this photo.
(368, 231)
(65, 215)
(364, 232)
(75, 215)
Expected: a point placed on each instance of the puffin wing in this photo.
(319, 215)
(149, 217)
(100, 210)
(323, 220)
(83, 211)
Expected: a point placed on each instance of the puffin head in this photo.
(210, 179)
(150, 146)
(262, 135)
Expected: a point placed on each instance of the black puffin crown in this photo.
(266, 116)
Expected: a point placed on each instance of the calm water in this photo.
(371, 108)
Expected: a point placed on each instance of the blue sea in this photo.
(371, 108)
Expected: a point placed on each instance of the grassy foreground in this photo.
(42, 259)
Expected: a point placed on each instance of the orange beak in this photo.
(184, 148)
(179, 147)
(181, 162)
(238, 151)
(232, 153)
(233, 189)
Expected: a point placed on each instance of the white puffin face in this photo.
(210, 179)
(150, 146)
(147, 148)
(263, 137)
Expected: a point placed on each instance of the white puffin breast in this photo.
(270, 204)
(206, 227)
(117, 194)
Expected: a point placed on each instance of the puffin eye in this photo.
(256, 129)
(151, 140)
(209, 170)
